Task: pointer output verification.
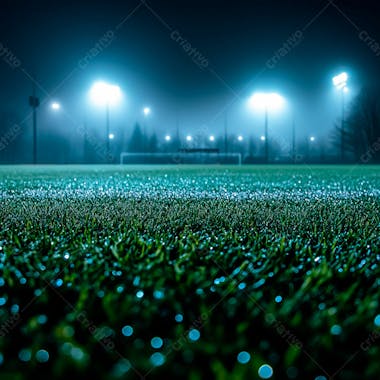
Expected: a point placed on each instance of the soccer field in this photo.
(194, 272)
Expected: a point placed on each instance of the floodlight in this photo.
(266, 100)
(55, 106)
(340, 80)
(103, 93)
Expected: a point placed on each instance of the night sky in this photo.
(67, 45)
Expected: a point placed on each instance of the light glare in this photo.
(103, 93)
(266, 100)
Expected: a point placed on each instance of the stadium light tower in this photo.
(340, 83)
(105, 94)
(266, 102)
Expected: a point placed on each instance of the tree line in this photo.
(359, 136)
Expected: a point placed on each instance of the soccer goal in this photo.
(184, 158)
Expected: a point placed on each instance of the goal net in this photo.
(181, 158)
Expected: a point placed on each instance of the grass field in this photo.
(111, 272)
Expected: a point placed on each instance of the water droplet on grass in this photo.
(156, 342)
(77, 353)
(243, 357)
(42, 356)
(265, 371)
(336, 330)
(42, 319)
(127, 330)
(194, 335)
(157, 359)
(158, 294)
(25, 355)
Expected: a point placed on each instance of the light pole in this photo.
(34, 102)
(146, 111)
(240, 139)
(340, 82)
(266, 135)
(168, 143)
(226, 132)
(294, 141)
(309, 142)
(266, 101)
(106, 94)
(177, 137)
(107, 129)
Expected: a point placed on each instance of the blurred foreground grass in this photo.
(189, 272)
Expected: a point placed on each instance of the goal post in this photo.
(177, 158)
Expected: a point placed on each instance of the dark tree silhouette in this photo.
(152, 144)
(136, 143)
(362, 126)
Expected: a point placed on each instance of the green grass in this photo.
(279, 261)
